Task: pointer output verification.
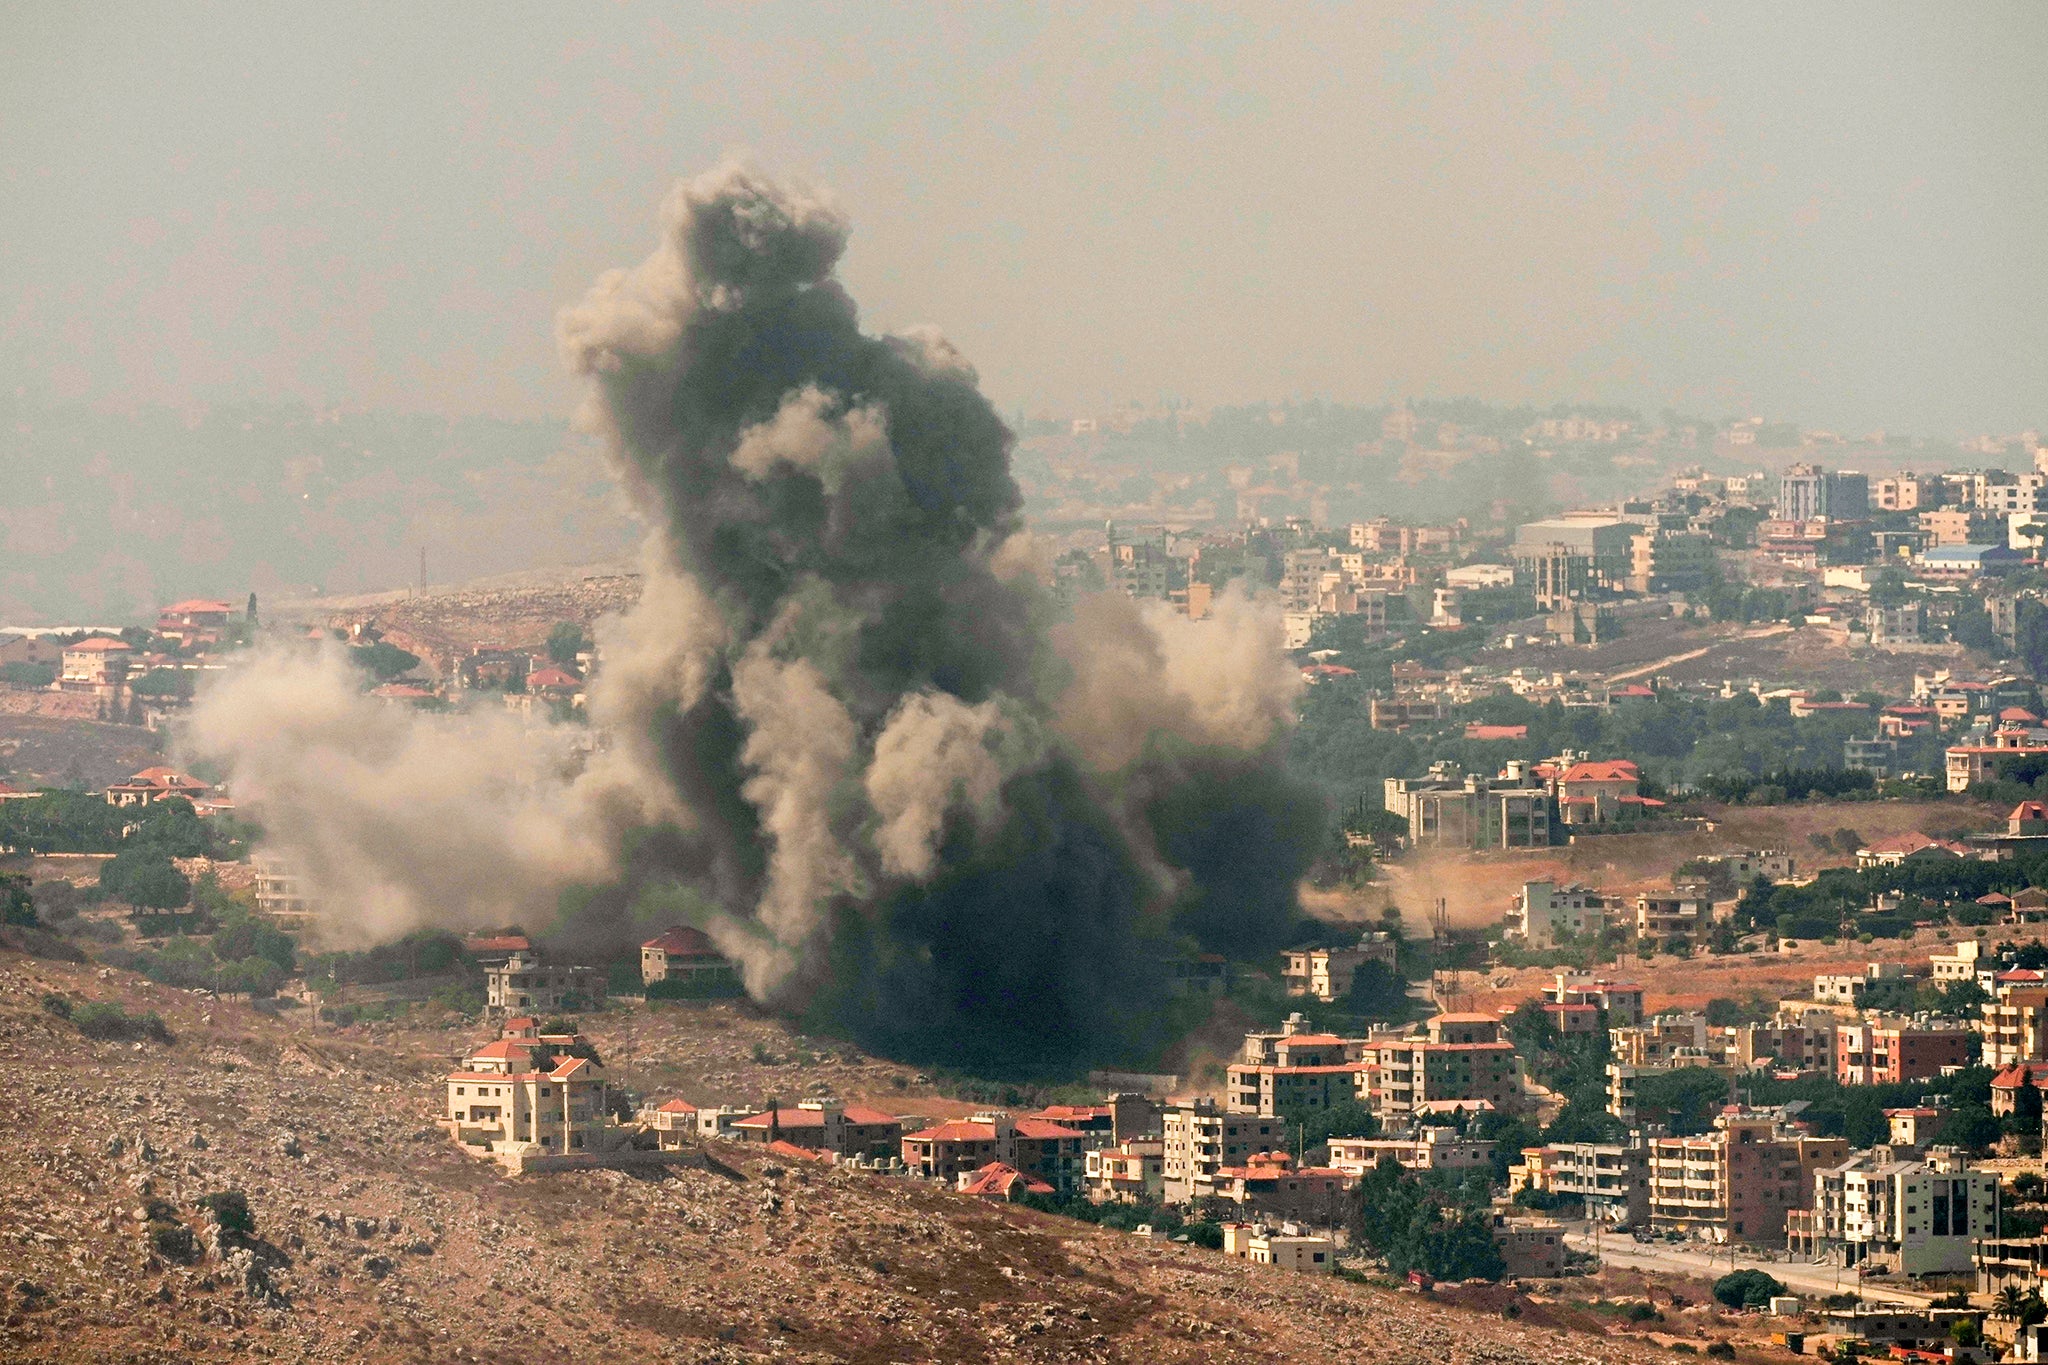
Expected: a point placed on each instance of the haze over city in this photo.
(1208, 684)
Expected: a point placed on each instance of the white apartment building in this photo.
(1201, 1138)
(1545, 913)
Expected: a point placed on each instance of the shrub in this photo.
(59, 1005)
(1721, 1350)
(173, 1241)
(1747, 1289)
(230, 1209)
(1641, 1312)
(108, 1022)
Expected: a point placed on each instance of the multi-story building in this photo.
(1406, 1074)
(1292, 1070)
(523, 982)
(2015, 1026)
(1620, 1001)
(529, 1095)
(1327, 973)
(1287, 1247)
(1565, 559)
(1449, 809)
(1432, 1147)
(1611, 1179)
(98, 665)
(826, 1126)
(1546, 913)
(281, 895)
(1202, 1138)
(1905, 492)
(1131, 1172)
(1681, 913)
(1269, 1185)
(1737, 1182)
(1807, 492)
(686, 956)
(1849, 988)
(1670, 561)
(1911, 1217)
(1888, 1051)
(1052, 1153)
(1794, 1039)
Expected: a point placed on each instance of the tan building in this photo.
(531, 1096)
(1434, 1147)
(1269, 1185)
(1612, 1180)
(686, 957)
(1201, 1139)
(1326, 973)
(1132, 1172)
(1407, 1074)
(1682, 913)
(2015, 1026)
(1737, 1182)
(1288, 1249)
(99, 664)
(1292, 1070)
(1047, 1151)
(1530, 1248)
(523, 982)
(826, 1126)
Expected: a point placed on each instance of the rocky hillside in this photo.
(375, 1239)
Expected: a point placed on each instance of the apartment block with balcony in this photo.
(1612, 1180)
(1201, 1138)
(1736, 1183)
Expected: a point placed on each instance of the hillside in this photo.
(378, 1240)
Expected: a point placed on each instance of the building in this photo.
(1326, 973)
(1679, 914)
(1601, 793)
(1888, 1051)
(1807, 493)
(1047, 1151)
(1793, 1040)
(520, 1096)
(685, 957)
(1530, 1248)
(1968, 561)
(1737, 1182)
(1407, 1073)
(152, 785)
(825, 1126)
(1612, 1180)
(523, 982)
(1432, 1147)
(1287, 1247)
(98, 664)
(1291, 1071)
(671, 1122)
(1565, 559)
(1131, 1172)
(1449, 809)
(1202, 1138)
(1545, 914)
(195, 621)
(1849, 988)
(2015, 1026)
(1670, 561)
(281, 895)
(1911, 1217)
(1620, 1001)
(1269, 1185)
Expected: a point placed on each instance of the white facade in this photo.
(1545, 913)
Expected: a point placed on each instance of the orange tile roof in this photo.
(1613, 770)
(676, 1107)
(99, 644)
(814, 1118)
(998, 1180)
(682, 941)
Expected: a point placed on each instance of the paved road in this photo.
(1797, 1274)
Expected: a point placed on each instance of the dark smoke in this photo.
(845, 731)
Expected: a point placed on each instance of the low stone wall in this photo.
(625, 1159)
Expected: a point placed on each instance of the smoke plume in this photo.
(844, 728)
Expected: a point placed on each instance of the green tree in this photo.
(384, 660)
(1748, 1289)
(17, 905)
(1971, 1126)
(1686, 1096)
(565, 642)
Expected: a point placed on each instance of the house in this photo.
(517, 1097)
(1621, 1001)
(281, 896)
(686, 957)
(493, 949)
(1601, 793)
(156, 784)
(1848, 988)
(1530, 1248)
(2007, 1084)
(195, 621)
(1912, 1217)
(553, 684)
(2015, 1024)
(1005, 1184)
(523, 982)
(825, 1126)
(1287, 1247)
(1293, 1070)
(1131, 1172)
(1269, 1184)
(1916, 1126)
(1407, 1073)
(1545, 913)
(1681, 914)
(1912, 846)
(1048, 1151)
(671, 1122)
(1327, 973)
(1433, 1147)
(99, 664)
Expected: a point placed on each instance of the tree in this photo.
(145, 877)
(565, 642)
(17, 906)
(383, 660)
(251, 616)
(1748, 1289)
(1971, 1126)
(2009, 1303)
(1687, 1095)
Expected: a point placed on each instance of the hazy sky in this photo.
(1829, 213)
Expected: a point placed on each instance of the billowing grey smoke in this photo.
(909, 801)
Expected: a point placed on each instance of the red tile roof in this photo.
(98, 644)
(552, 677)
(676, 1107)
(682, 941)
(1613, 770)
(1474, 730)
(998, 1181)
(192, 605)
(815, 1118)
